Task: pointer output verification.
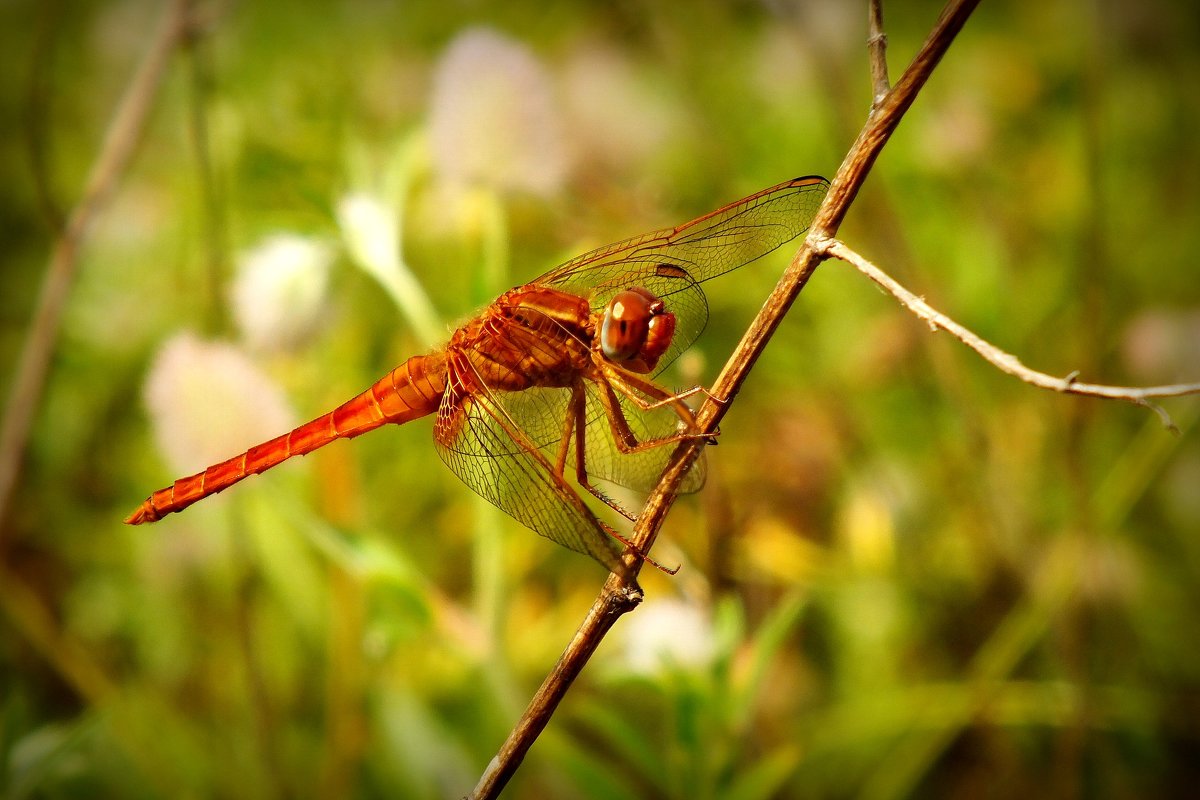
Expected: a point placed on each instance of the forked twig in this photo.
(1002, 360)
(619, 595)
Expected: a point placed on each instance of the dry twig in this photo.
(1002, 360)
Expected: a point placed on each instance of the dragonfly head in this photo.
(636, 330)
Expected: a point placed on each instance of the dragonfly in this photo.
(555, 379)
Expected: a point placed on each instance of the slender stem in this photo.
(604, 613)
(1006, 362)
(620, 596)
(120, 141)
(877, 52)
(850, 177)
(886, 116)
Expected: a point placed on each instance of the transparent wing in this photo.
(481, 445)
(673, 260)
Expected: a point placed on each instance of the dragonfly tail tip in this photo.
(144, 513)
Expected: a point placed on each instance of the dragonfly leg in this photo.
(640, 554)
(631, 384)
(578, 419)
(668, 399)
(573, 420)
(637, 389)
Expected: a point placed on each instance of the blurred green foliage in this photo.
(910, 575)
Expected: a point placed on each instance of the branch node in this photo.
(629, 596)
(877, 42)
(821, 244)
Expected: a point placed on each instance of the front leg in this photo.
(637, 389)
(577, 418)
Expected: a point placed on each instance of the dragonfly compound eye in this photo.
(636, 330)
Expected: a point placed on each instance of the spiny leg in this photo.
(578, 418)
(632, 383)
(623, 436)
(640, 554)
(578, 413)
(574, 419)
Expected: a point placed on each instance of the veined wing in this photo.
(489, 453)
(712, 245)
(541, 414)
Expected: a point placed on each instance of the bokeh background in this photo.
(909, 574)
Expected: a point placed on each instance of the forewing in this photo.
(712, 245)
(478, 442)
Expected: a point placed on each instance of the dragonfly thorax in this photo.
(531, 336)
(636, 329)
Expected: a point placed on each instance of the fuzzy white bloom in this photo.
(668, 634)
(208, 402)
(616, 115)
(371, 230)
(494, 118)
(279, 292)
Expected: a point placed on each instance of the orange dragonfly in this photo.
(551, 378)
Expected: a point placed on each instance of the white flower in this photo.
(279, 292)
(668, 634)
(494, 118)
(208, 402)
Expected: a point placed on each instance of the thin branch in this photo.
(604, 613)
(1002, 360)
(620, 596)
(877, 52)
(38, 111)
(120, 141)
(884, 118)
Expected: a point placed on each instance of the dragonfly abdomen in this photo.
(410, 391)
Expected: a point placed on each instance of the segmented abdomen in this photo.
(410, 391)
